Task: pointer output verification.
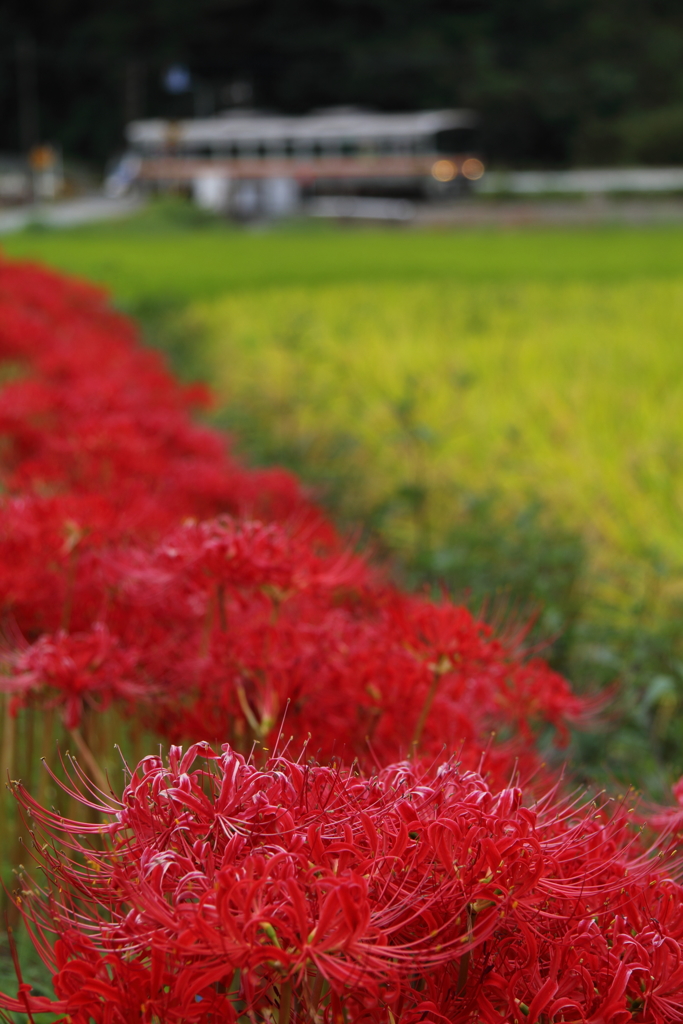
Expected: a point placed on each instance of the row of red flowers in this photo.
(144, 572)
(140, 564)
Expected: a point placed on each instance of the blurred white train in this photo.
(252, 163)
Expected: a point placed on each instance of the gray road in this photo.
(67, 213)
(470, 212)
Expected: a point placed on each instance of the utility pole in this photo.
(133, 89)
(27, 89)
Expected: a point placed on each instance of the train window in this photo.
(456, 140)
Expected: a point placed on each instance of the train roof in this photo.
(335, 124)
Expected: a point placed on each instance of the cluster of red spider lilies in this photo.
(362, 828)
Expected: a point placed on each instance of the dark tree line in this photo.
(556, 81)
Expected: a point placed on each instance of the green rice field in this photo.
(168, 253)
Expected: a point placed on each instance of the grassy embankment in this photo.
(499, 410)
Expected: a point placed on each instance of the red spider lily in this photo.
(669, 819)
(226, 623)
(78, 669)
(290, 893)
(92, 412)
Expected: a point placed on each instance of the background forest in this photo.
(556, 81)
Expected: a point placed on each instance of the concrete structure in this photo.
(15, 181)
(591, 181)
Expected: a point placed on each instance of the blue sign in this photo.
(177, 79)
